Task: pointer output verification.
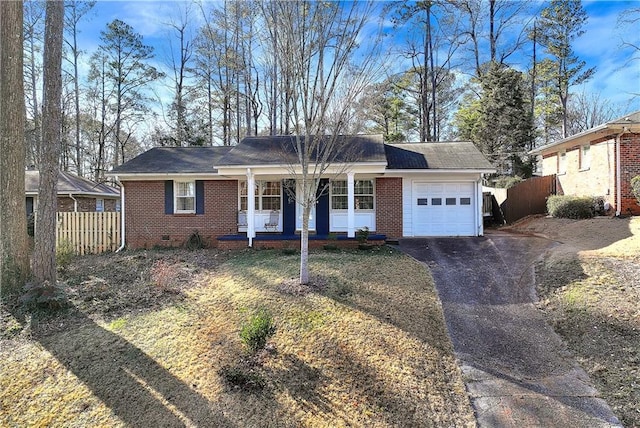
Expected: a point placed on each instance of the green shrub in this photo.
(257, 330)
(565, 206)
(635, 187)
(507, 181)
(362, 235)
(64, 254)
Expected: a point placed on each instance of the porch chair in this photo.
(272, 224)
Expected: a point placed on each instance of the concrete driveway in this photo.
(517, 370)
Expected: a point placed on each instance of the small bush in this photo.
(575, 207)
(257, 330)
(195, 241)
(362, 235)
(635, 187)
(64, 254)
(43, 296)
(507, 181)
(289, 251)
(164, 275)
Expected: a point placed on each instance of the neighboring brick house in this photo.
(397, 190)
(75, 193)
(598, 162)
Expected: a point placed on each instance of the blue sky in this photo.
(615, 78)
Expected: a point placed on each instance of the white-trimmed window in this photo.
(562, 162)
(268, 195)
(185, 197)
(363, 194)
(99, 205)
(585, 156)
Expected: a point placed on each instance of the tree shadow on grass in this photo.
(138, 390)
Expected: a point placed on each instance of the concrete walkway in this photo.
(517, 370)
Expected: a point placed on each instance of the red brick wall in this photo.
(629, 168)
(389, 206)
(146, 224)
(85, 204)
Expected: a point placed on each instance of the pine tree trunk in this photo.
(44, 255)
(14, 248)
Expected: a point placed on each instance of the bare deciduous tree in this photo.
(317, 57)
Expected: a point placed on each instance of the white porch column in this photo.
(251, 206)
(351, 214)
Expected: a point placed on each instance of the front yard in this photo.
(589, 288)
(150, 334)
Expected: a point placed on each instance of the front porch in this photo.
(282, 240)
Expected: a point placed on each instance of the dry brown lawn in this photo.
(148, 332)
(589, 287)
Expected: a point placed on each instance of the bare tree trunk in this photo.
(14, 248)
(44, 255)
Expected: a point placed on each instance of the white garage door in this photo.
(443, 209)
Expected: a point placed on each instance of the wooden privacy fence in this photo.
(89, 232)
(528, 197)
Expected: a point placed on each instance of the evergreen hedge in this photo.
(565, 206)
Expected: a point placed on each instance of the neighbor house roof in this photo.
(70, 183)
(174, 160)
(445, 155)
(281, 150)
(626, 123)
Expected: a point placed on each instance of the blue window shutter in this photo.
(168, 197)
(199, 197)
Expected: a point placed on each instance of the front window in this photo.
(267, 195)
(363, 195)
(185, 199)
(99, 205)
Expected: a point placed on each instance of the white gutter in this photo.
(121, 215)
(618, 172)
(75, 203)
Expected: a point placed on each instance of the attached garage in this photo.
(444, 209)
(441, 187)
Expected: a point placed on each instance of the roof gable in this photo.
(445, 155)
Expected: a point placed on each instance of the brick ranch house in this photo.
(396, 190)
(598, 162)
(75, 193)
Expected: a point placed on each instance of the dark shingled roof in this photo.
(456, 155)
(174, 160)
(279, 150)
(70, 183)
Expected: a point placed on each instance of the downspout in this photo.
(75, 203)
(121, 215)
(618, 172)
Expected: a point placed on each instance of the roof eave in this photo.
(442, 171)
(587, 136)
